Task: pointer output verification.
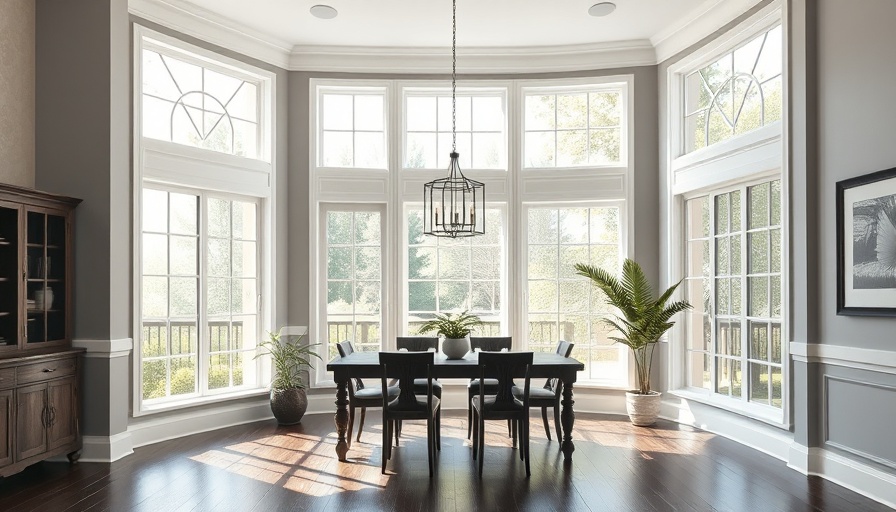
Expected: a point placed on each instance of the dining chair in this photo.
(421, 344)
(360, 396)
(485, 344)
(549, 394)
(406, 367)
(503, 366)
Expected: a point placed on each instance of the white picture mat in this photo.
(863, 298)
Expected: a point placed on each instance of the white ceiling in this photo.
(480, 23)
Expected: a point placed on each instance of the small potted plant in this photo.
(288, 399)
(455, 327)
(641, 321)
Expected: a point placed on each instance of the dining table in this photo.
(366, 365)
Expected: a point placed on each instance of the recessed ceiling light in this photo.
(602, 9)
(324, 12)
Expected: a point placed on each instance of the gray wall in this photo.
(17, 92)
(856, 126)
(646, 150)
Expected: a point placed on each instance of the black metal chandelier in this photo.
(454, 206)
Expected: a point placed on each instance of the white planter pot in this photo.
(643, 410)
(455, 348)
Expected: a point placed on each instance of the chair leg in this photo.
(557, 423)
(386, 440)
(430, 442)
(525, 447)
(509, 428)
(361, 422)
(351, 424)
(514, 431)
(469, 414)
(475, 434)
(439, 429)
(522, 439)
(481, 443)
(544, 419)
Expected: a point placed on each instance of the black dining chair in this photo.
(503, 366)
(360, 396)
(421, 344)
(549, 394)
(485, 344)
(407, 367)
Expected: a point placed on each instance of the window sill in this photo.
(765, 414)
(197, 401)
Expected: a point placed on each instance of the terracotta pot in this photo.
(455, 348)
(288, 405)
(643, 410)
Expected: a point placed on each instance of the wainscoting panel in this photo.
(859, 418)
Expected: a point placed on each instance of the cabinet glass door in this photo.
(9, 272)
(45, 278)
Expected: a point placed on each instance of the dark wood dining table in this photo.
(366, 365)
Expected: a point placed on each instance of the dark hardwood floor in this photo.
(263, 467)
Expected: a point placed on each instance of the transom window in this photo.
(734, 255)
(574, 128)
(352, 128)
(191, 102)
(736, 93)
(481, 121)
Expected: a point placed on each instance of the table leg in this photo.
(567, 419)
(341, 418)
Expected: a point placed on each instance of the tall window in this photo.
(200, 321)
(563, 305)
(204, 166)
(481, 121)
(737, 93)
(353, 278)
(563, 203)
(734, 333)
(451, 275)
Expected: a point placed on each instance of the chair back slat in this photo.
(417, 343)
(491, 343)
(504, 366)
(406, 366)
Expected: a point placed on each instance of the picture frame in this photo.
(866, 244)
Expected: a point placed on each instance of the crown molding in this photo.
(194, 21)
(519, 59)
(703, 22)
(208, 26)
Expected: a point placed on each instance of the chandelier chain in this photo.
(454, 76)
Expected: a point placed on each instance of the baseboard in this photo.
(850, 473)
(755, 434)
(106, 448)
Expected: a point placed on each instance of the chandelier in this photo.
(454, 206)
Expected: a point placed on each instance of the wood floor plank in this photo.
(262, 467)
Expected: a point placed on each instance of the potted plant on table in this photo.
(641, 321)
(291, 358)
(455, 327)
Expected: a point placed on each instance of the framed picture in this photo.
(866, 245)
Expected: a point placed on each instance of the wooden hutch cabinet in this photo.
(39, 369)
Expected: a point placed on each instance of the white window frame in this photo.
(509, 189)
(202, 171)
(743, 160)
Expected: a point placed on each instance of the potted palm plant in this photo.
(291, 359)
(641, 320)
(456, 331)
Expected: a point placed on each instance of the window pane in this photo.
(183, 255)
(369, 113)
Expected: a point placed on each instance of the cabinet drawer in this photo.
(46, 370)
(7, 378)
